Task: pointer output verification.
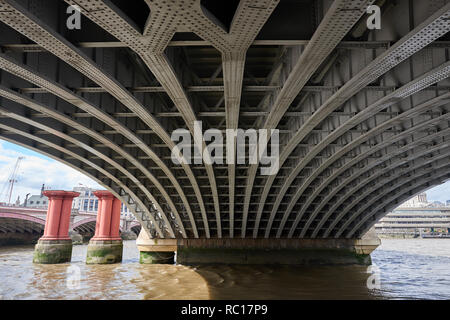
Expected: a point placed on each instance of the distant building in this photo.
(410, 221)
(448, 203)
(88, 202)
(85, 202)
(419, 200)
(36, 201)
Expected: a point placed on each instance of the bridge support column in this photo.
(106, 246)
(55, 246)
(257, 251)
(276, 251)
(156, 251)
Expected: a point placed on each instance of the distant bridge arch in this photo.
(16, 228)
(85, 226)
(16, 222)
(135, 227)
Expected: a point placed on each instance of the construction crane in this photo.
(9, 184)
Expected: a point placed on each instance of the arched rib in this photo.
(430, 173)
(30, 103)
(431, 104)
(393, 165)
(428, 31)
(246, 24)
(398, 172)
(405, 196)
(429, 78)
(373, 164)
(136, 208)
(24, 22)
(99, 154)
(339, 19)
(151, 52)
(10, 65)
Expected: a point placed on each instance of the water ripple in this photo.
(408, 269)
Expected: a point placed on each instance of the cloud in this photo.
(34, 171)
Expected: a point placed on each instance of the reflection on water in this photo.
(406, 272)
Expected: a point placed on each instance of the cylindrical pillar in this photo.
(55, 246)
(106, 245)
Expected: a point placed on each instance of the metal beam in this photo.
(415, 155)
(431, 77)
(28, 102)
(10, 65)
(151, 51)
(431, 29)
(405, 116)
(138, 206)
(17, 17)
(392, 191)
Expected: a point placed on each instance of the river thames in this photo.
(404, 269)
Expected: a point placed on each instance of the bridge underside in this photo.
(20, 229)
(363, 114)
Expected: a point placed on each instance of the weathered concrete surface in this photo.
(259, 251)
(369, 242)
(104, 251)
(52, 251)
(276, 251)
(156, 251)
(147, 244)
(153, 257)
(304, 256)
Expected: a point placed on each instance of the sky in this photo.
(37, 169)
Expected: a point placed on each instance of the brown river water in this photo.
(404, 269)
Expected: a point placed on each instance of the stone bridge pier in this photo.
(106, 245)
(55, 246)
(258, 251)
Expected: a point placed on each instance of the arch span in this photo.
(362, 123)
(16, 228)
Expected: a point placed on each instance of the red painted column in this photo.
(108, 216)
(58, 214)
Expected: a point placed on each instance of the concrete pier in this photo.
(275, 251)
(258, 251)
(55, 246)
(156, 251)
(106, 246)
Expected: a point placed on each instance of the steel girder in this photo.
(320, 146)
(233, 45)
(431, 177)
(392, 140)
(23, 21)
(411, 43)
(14, 113)
(339, 19)
(392, 165)
(91, 169)
(431, 77)
(47, 85)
